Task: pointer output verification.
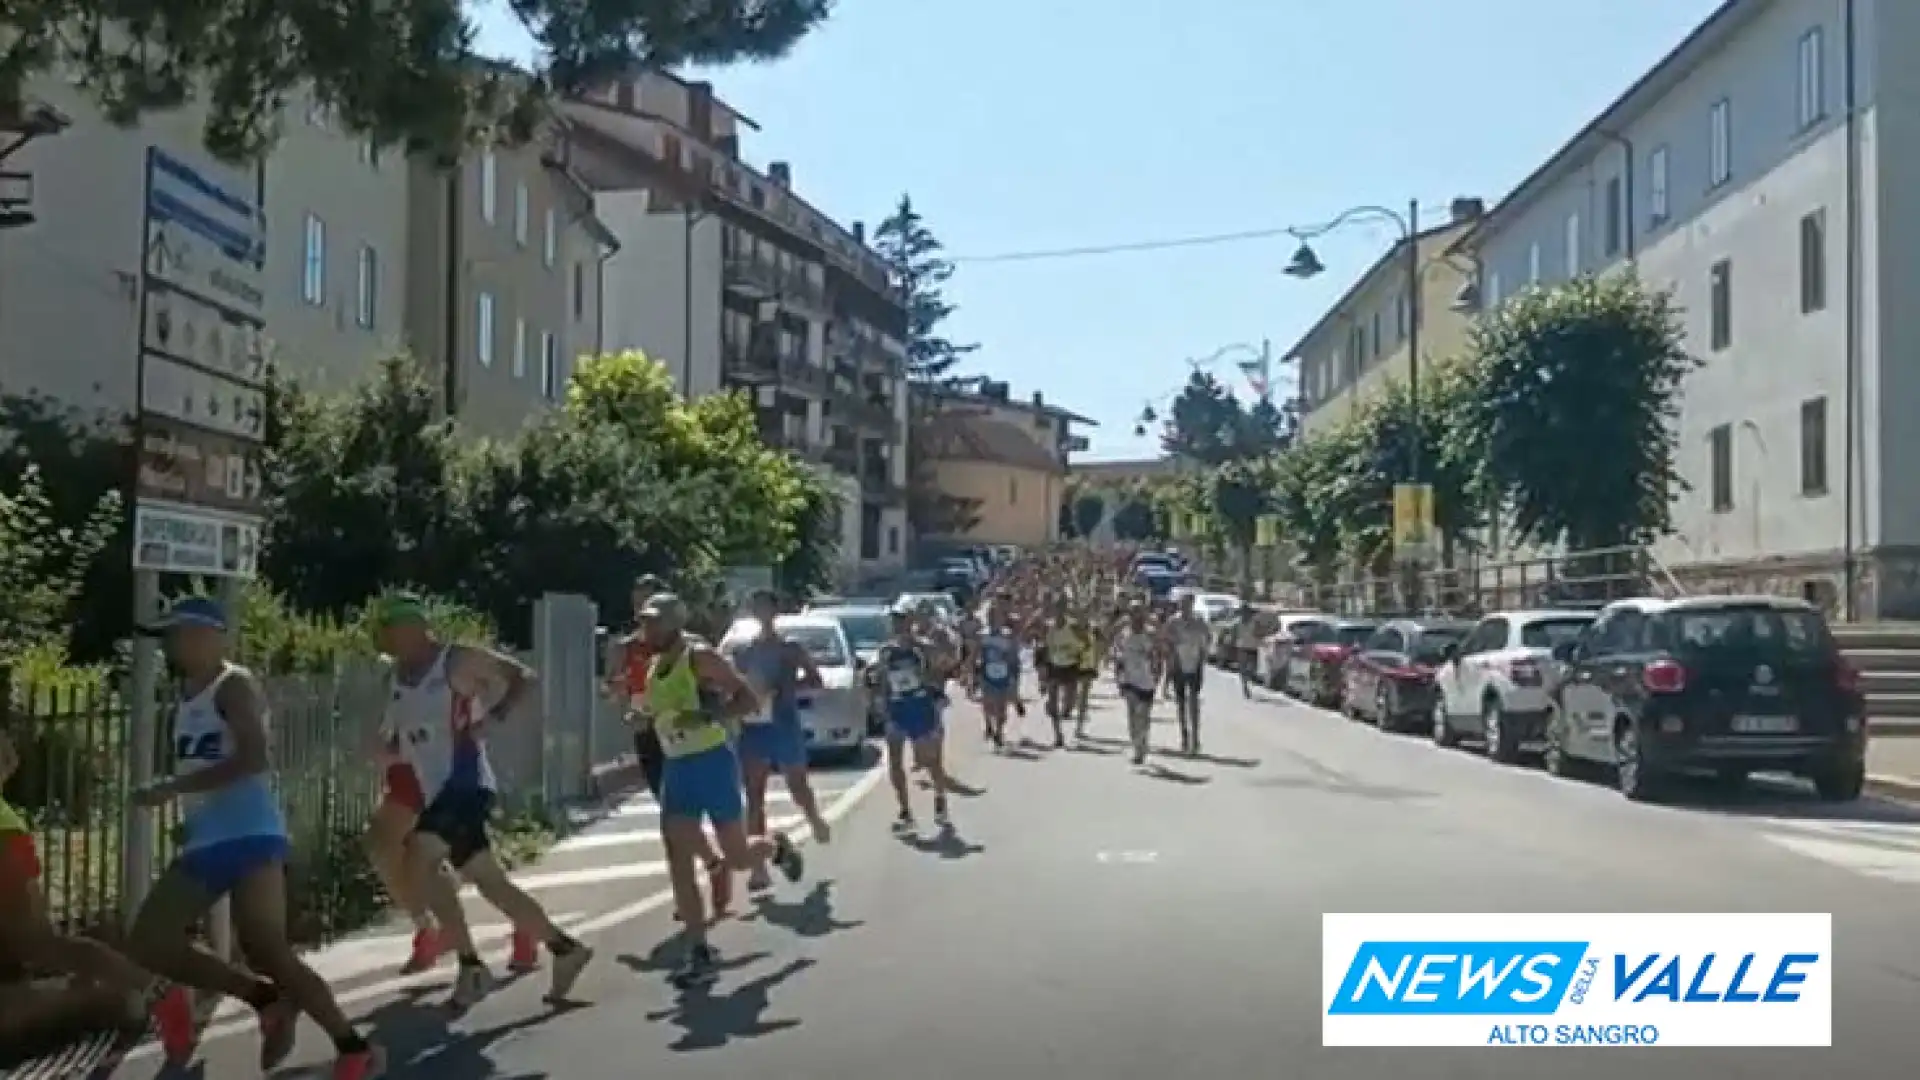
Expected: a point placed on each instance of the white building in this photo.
(1767, 172)
(731, 279)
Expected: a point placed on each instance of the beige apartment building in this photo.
(734, 281)
(1360, 344)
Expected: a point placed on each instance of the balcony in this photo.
(762, 365)
(763, 279)
(863, 347)
(842, 459)
(877, 486)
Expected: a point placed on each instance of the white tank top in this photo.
(202, 739)
(435, 729)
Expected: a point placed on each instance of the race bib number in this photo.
(996, 670)
(903, 682)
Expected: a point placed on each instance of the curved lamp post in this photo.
(1262, 353)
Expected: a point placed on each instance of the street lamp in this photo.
(1263, 359)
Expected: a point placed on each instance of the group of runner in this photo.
(711, 729)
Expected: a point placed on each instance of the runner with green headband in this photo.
(444, 698)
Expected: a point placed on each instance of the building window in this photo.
(1013, 491)
(313, 263)
(519, 348)
(1493, 297)
(520, 211)
(1400, 318)
(1615, 215)
(1813, 447)
(1533, 264)
(1573, 246)
(1657, 209)
(1720, 305)
(579, 291)
(549, 367)
(893, 539)
(1720, 446)
(1812, 82)
(1719, 143)
(550, 239)
(368, 291)
(1813, 262)
(489, 187)
(483, 330)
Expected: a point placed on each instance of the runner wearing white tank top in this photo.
(436, 716)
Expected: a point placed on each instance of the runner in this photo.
(629, 683)
(998, 673)
(1246, 659)
(392, 822)
(1063, 669)
(235, 846)
(1138, 661)
(436, 715)
(914, 699)
(1187, 639)
(28, 937)
(694, 696)
(1091, 648)
(772, 738)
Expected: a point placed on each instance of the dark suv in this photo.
(1725, 685)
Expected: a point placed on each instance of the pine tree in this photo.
(913, 253)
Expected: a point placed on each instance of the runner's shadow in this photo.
(947, 843)
(1211, 759)
(709, 1021)
(1097, 740)
(1021, 753)
(810, 917)
(1161, 772)
(417, 1039)
(1089, 745)
(666, 956)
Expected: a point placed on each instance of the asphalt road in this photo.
(1094, 921)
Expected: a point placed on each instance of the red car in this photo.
(1389, 680)
(1319, 673)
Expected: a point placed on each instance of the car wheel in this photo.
(1383, 708)
(1841, 784)
(1556, 759)
(1637, 781)
(1443, 733)
(1501, 745)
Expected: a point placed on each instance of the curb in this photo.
(1897, 788)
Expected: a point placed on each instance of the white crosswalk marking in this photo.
(1886, 850)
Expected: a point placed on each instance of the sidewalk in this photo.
(1893, 765)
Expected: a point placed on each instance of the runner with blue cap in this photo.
(235, 846)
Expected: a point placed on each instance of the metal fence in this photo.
(75, 773)
(1580, 577)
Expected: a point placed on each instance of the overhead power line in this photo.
(1165, 244)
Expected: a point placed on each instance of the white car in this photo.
(1497, 685)
(834, 716)
(1296, 629)
(942, 604)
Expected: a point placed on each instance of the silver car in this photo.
(833, 716)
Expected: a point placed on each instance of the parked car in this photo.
(1390, 678)
(834, 716)
(1497, 686)
(1724, 685)
(1318, 673)
(1291, 631)
(867, 627)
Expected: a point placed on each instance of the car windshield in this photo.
(821, 642)
(1353, 636)
(1748, 632)
(1553, 633)
(1431, 646)
(866, 631)
(940, 602)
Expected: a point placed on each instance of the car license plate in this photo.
(1765, 725)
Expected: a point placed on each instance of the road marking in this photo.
(596, 841)
(1129, 858)
(620, 916)
(649, 809)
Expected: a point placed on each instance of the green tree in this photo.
(1134, 521)
(404, 73)
(1574, 421)
(921, 271)
(1089, 509)
(1206, 423)
(43, 567)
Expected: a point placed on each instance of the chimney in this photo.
(1038, 401)
(859, 232)
(1467, 209)
(780, 173)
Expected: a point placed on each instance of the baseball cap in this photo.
(192, 611)
(666, 608)
(396, 609)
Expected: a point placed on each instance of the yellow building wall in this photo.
(1014, 506)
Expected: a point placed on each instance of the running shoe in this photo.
(427, 948)
(700, 968)
(367, 1064)
(526, 953)
(173, 1019)
(473, 984)
(787, 857)
(940, 815)
(279, 1025)
(567, 967)
(903, 822)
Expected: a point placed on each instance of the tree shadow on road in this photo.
(1161, 772)
(947, 843)
(811, 916)
(710, 1020)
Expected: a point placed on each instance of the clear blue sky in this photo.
(1042, 124)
